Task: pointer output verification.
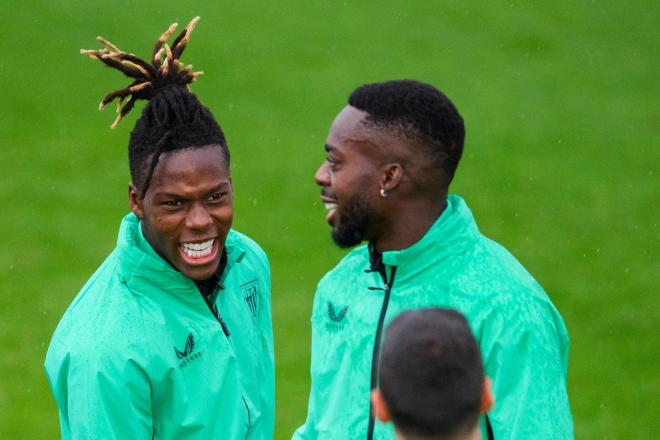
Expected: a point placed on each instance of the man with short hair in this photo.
(391, 155)
(431, 379)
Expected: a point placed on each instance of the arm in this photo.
(268, 387)
(524, 354)
(100, 395)
(308, 431)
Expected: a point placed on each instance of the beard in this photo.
(352, 222)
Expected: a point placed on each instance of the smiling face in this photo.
(350, 179)
(187, 210)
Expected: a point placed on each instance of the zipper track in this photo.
(249, 417)
(376, 355)
(222, 322)
(216, 314)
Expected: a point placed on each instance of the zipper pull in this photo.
(225, 329)
(222, 322)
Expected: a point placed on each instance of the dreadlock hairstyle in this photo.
(173, 119)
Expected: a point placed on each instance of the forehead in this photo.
(192, 166)
(349, 135)
(348, 122)
(347, 128)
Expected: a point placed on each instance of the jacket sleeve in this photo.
(524, 355)
(268, 385)
(100, 395)
(308, 431)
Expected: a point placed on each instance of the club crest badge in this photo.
(250, 293)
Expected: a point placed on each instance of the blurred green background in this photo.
(561, 166)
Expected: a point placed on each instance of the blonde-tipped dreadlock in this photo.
(164, 68)
(174, 118)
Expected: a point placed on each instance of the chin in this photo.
(200, 273)
(346, 238)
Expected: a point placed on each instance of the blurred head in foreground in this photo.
(431, 378)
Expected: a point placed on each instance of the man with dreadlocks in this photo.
(171, 337)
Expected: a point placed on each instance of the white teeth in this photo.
(198, 250)
(330, 206)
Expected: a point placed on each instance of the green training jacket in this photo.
(139, 354)
(522, 337)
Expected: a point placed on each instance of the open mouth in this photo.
(197, 253)
(331, 207)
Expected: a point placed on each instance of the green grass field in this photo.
(561, 163)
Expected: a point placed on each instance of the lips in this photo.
(197, 253)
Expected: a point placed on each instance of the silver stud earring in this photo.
(383, 193)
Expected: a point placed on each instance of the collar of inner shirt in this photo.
(208, 287)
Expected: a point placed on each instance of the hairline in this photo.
(224, 154)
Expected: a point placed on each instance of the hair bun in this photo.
(164, 69)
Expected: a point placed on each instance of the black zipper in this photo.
(489, 428)
(379, 330)
(218, 280)
(214, 310)
(222, 322)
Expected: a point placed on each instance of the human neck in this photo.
(408, 224)
(474, 434)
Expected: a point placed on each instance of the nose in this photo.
(322, 176)
(198, 217)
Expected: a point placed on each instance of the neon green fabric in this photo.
(522, 337)
(139, 355)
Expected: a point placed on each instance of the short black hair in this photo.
(431, 375)
(419, 112)
(174, 118)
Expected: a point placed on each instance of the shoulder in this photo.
(516, 311)
(250, 263)
(104, 318)
(340, 279)
(489, 272)
(348, 267)
(501, 293)
(242, 243)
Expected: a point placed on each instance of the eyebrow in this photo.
(218, 187)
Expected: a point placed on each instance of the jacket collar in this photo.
(144, 271)
(452, 232)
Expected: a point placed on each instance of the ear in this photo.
(487, 396)
(135, 201)
(381, 412)
(392, 176)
